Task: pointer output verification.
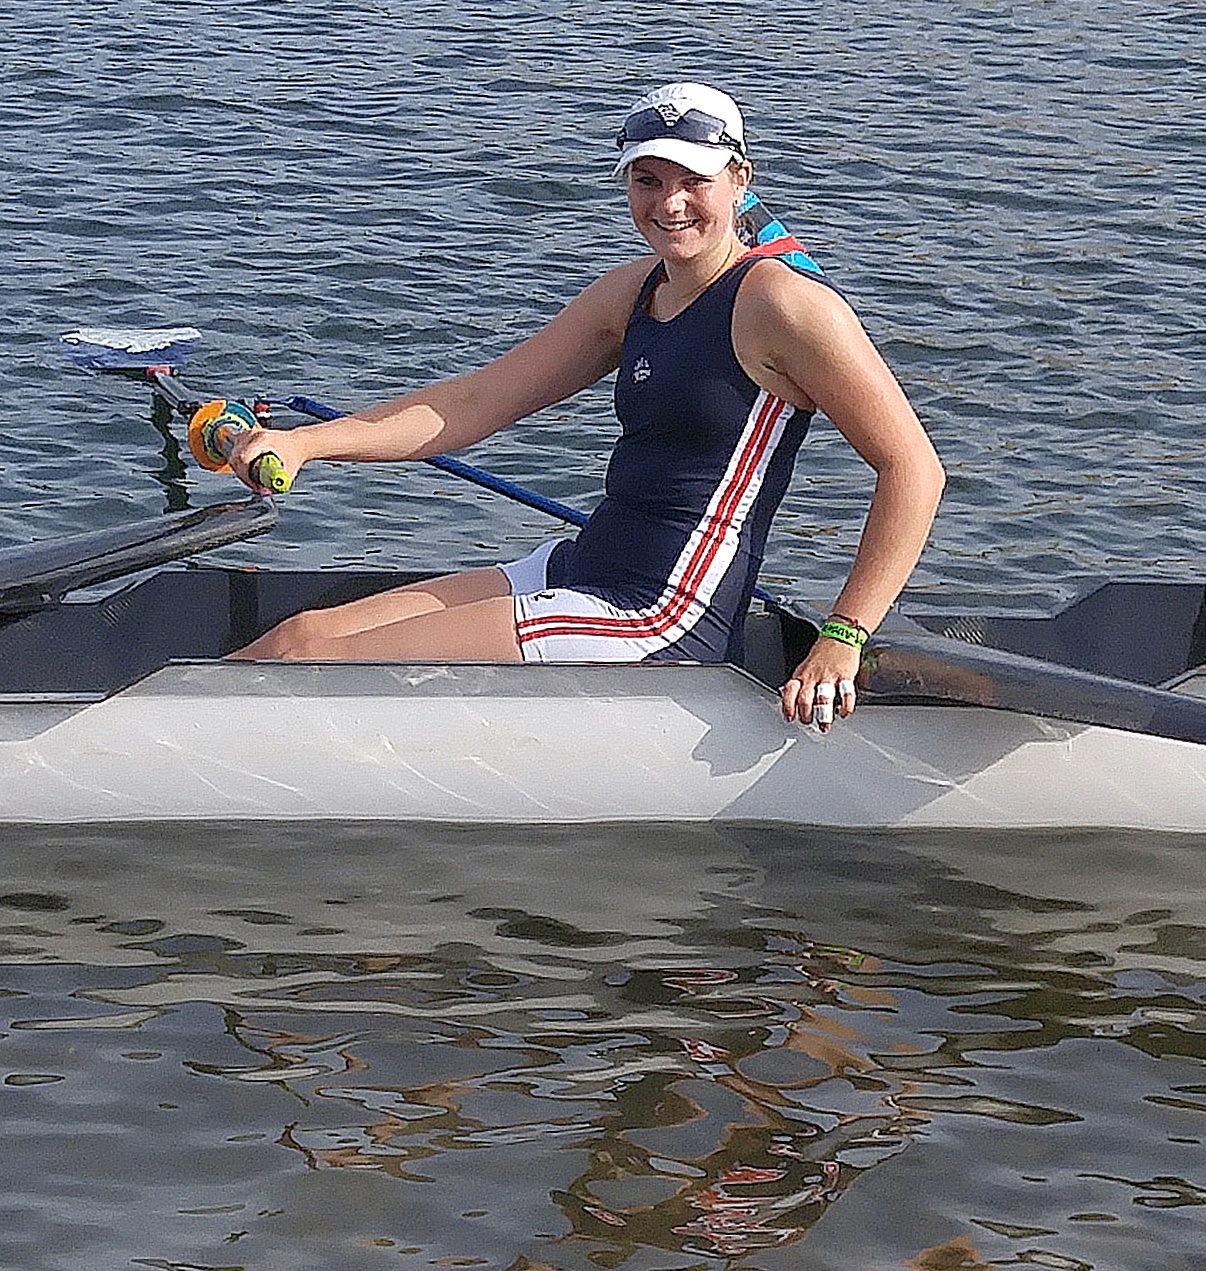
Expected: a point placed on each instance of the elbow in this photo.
(919, 479)
(927, 477)
(935, 481)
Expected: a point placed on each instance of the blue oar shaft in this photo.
(479, 476)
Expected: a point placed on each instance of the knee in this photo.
(299, 638)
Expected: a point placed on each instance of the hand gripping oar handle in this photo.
(211, 436)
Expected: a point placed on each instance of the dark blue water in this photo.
(327, 1048)
(351, 200)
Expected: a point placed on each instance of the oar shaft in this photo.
(174, 391)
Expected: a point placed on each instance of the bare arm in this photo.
(577, 348)
(800, 340)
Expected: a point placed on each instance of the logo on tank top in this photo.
(641, 371)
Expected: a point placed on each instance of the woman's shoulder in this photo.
(611, 298)
(773, 276)
(626, 280)
(771, 290)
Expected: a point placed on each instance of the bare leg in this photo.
(459, 617)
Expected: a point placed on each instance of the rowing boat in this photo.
(122, 708)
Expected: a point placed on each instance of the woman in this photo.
(722, 357)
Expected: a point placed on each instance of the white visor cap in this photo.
(693, 125)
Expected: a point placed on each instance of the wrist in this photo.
(306, 443)
(844, 630)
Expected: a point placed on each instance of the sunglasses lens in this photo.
(694, 126)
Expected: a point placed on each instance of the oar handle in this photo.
(269, 472)
(211, 437)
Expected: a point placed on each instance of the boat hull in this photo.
(482, 744)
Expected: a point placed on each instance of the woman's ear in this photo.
(742, 174)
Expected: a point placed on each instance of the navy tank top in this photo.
(703, 461)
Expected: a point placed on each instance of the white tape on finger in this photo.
(846, 688)
(822, 705)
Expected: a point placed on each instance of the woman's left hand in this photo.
(822, 684)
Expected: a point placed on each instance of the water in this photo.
(366, 1046)
(351, 200)
(649, 1049)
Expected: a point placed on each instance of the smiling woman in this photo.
(723, 355)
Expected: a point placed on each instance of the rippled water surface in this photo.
(364, 1046)
(346, 1047)
(351, 199)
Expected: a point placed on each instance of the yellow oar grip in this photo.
(269, 472)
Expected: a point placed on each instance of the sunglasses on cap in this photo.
(695, 126)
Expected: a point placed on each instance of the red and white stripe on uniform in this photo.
(572, 626)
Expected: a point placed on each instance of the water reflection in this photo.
(604, 1047)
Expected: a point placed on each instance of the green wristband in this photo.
(845, 632)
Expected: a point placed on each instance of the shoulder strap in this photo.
(656, 276)
(765, 235)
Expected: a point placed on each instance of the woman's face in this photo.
(681, 215)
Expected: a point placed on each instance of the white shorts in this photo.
(529, 573)
(558, 624)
